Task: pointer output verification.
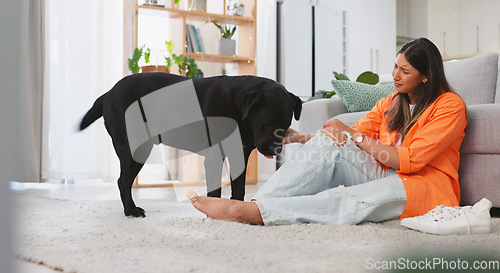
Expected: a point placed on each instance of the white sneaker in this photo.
(453, 220)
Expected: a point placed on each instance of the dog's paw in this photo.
(136, 212)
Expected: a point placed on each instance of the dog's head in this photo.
(268, 110)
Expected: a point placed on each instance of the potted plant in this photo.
(168, 59)
(197, 5)
(366, 77)
(152, 68)
(225, 45)
(133, 63)
(191, 5)
(187, 66)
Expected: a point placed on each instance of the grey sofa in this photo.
(477, 80)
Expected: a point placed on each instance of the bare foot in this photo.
(224, 209)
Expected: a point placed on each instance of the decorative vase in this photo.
(154, 68)
(226, 46)
(197, 5)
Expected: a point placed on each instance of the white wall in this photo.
(459, 28)
(266, 65)
(417, 15)
(266, 39)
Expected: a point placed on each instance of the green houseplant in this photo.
(225, 45)
(133, 63)
(226, 31)
(152, 68)
(170, 48)
(187, 66)
(366, 77)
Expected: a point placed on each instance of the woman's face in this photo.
(406, 78)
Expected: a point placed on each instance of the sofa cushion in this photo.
(316, 112)
(474, 78)
(358, 96)
(350, 119)
(478, 178)
(497, 99)
(482, 135)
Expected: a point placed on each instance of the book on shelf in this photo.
(194, 44)
(198, 38)
(189, 46)
(193, 39)
(153, 3)
(202, 46)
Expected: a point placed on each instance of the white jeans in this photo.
(324, 183)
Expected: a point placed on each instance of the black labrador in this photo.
(261, 108)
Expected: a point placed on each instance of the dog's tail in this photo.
(93, 114)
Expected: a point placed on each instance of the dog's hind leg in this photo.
(128, 171)
(129, 168)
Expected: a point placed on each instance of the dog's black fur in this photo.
(262, 108)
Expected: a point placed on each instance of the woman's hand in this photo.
(334, 129)
(292, 136)
(384, 153)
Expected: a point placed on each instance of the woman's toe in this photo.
(193, 196)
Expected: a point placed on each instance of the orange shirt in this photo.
(429, 155)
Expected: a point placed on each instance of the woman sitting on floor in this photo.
(400, 160)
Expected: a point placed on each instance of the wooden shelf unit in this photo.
(203, 57)
(246, 43)
(246, 48)
(202, 16)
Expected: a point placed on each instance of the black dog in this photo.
(262, 109)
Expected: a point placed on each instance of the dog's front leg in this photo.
(238, 183)
(213, 170)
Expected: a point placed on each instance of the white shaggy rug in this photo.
(95, 236)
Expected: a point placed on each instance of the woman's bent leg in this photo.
(320, 165)
(308, 172)
(377, 200)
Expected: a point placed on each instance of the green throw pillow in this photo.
(358, 97)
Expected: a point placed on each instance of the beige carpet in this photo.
(95, 236)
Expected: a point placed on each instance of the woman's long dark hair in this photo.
(424, 56)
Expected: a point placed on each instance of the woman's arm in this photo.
(292, 136)
(385, 154)
(443, 129)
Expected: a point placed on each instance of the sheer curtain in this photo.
(21, 78)
(31, 88)
(83, 60)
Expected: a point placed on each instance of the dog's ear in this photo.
(249, 101)
(297, 109)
